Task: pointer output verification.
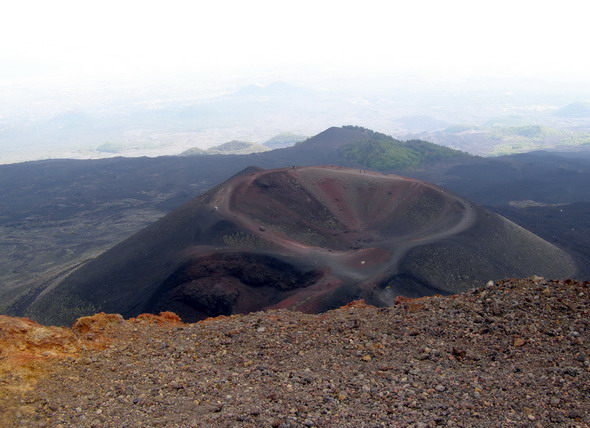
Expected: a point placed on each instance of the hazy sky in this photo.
(79, 39)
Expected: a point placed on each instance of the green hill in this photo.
(234, 147)
(527, 131)
(382, 152)
(237, 148)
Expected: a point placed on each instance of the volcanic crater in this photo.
(304, 238)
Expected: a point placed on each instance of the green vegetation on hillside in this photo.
(234, 147)
(522, 139)
(382, 152)
(529, 145)
(528, 131)
(237, 147)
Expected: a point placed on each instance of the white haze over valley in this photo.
(100, 79)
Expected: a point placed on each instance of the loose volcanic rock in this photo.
(453, 362)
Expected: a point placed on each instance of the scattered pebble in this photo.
(509, 354)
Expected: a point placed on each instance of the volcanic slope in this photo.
(309, 239)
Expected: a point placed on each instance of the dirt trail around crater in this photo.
(378, 258)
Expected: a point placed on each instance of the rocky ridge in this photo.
(514, 353)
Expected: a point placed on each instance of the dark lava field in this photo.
(60, 218)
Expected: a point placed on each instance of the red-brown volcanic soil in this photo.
(348, 221)
(309, 238)
(511, 354)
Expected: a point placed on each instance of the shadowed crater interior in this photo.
(228, 283)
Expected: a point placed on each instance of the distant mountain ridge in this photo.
(238, 147)
(355, 145)
(575, 110)
(349, 145)
(234, 147)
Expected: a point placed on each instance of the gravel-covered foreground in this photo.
(511, 354)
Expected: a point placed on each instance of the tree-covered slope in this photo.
(382, 152)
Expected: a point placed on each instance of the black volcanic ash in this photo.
(310, 239)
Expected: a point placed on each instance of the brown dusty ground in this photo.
(516, 353)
